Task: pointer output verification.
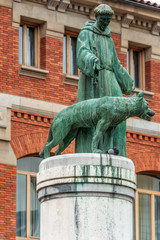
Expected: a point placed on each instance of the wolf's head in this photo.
(142, 107)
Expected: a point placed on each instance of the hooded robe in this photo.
(96, 46)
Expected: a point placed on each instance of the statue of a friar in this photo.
(101, 75)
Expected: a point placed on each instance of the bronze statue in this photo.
(102, 113)
(97, 121)
(101, 75)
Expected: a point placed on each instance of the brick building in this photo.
(39, 77)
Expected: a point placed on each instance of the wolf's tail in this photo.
(41, 153)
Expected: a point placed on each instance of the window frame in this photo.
(142, 64)
(28, 181)
(24, 43)
(152, 194)
(68, 35)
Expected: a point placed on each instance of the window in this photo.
(29, 38)
(148, 208)
(28, 206)
(69, 54)
(135, 66)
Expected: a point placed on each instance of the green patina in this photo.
(110, 111)
(85, 173)
(101, 75)
(97, 121)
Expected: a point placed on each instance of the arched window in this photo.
(28, 207)
(148, 207)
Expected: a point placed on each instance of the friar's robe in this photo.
(113, 80)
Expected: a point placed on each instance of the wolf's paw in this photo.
(46, 153)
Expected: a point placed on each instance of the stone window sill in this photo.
(73, 80)
(147, 95)
(70, 79)
(33, 72)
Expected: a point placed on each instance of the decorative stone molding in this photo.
(126, 20)
(31, 118)
(146, 139)
(79, 8)
(53, 4)
(118, 17)
(156, 28)
(63, 5)
(33, 72)
(60, 5)
(141, 23)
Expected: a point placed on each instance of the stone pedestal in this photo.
(86, 197)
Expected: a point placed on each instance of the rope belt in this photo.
(107, 68)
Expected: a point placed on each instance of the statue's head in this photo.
(103, 14)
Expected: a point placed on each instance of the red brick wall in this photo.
(29, 132)
(52, 89)
(144, 150)
(153, 71)
(7, 202)
(122, 57)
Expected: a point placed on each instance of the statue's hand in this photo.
(97, 68)
(95, 64)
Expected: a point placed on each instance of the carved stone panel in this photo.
(156, 28)
(53, 4)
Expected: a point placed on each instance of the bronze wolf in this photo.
(100, 114)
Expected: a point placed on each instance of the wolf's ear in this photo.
(141, 94)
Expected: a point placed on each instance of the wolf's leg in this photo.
(100, 128)
(60, 148)
(66, 141)
(59, 132)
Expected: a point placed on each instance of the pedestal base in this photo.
(86, 197)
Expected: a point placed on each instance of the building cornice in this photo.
(139, 4)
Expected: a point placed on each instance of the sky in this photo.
(155, 1)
